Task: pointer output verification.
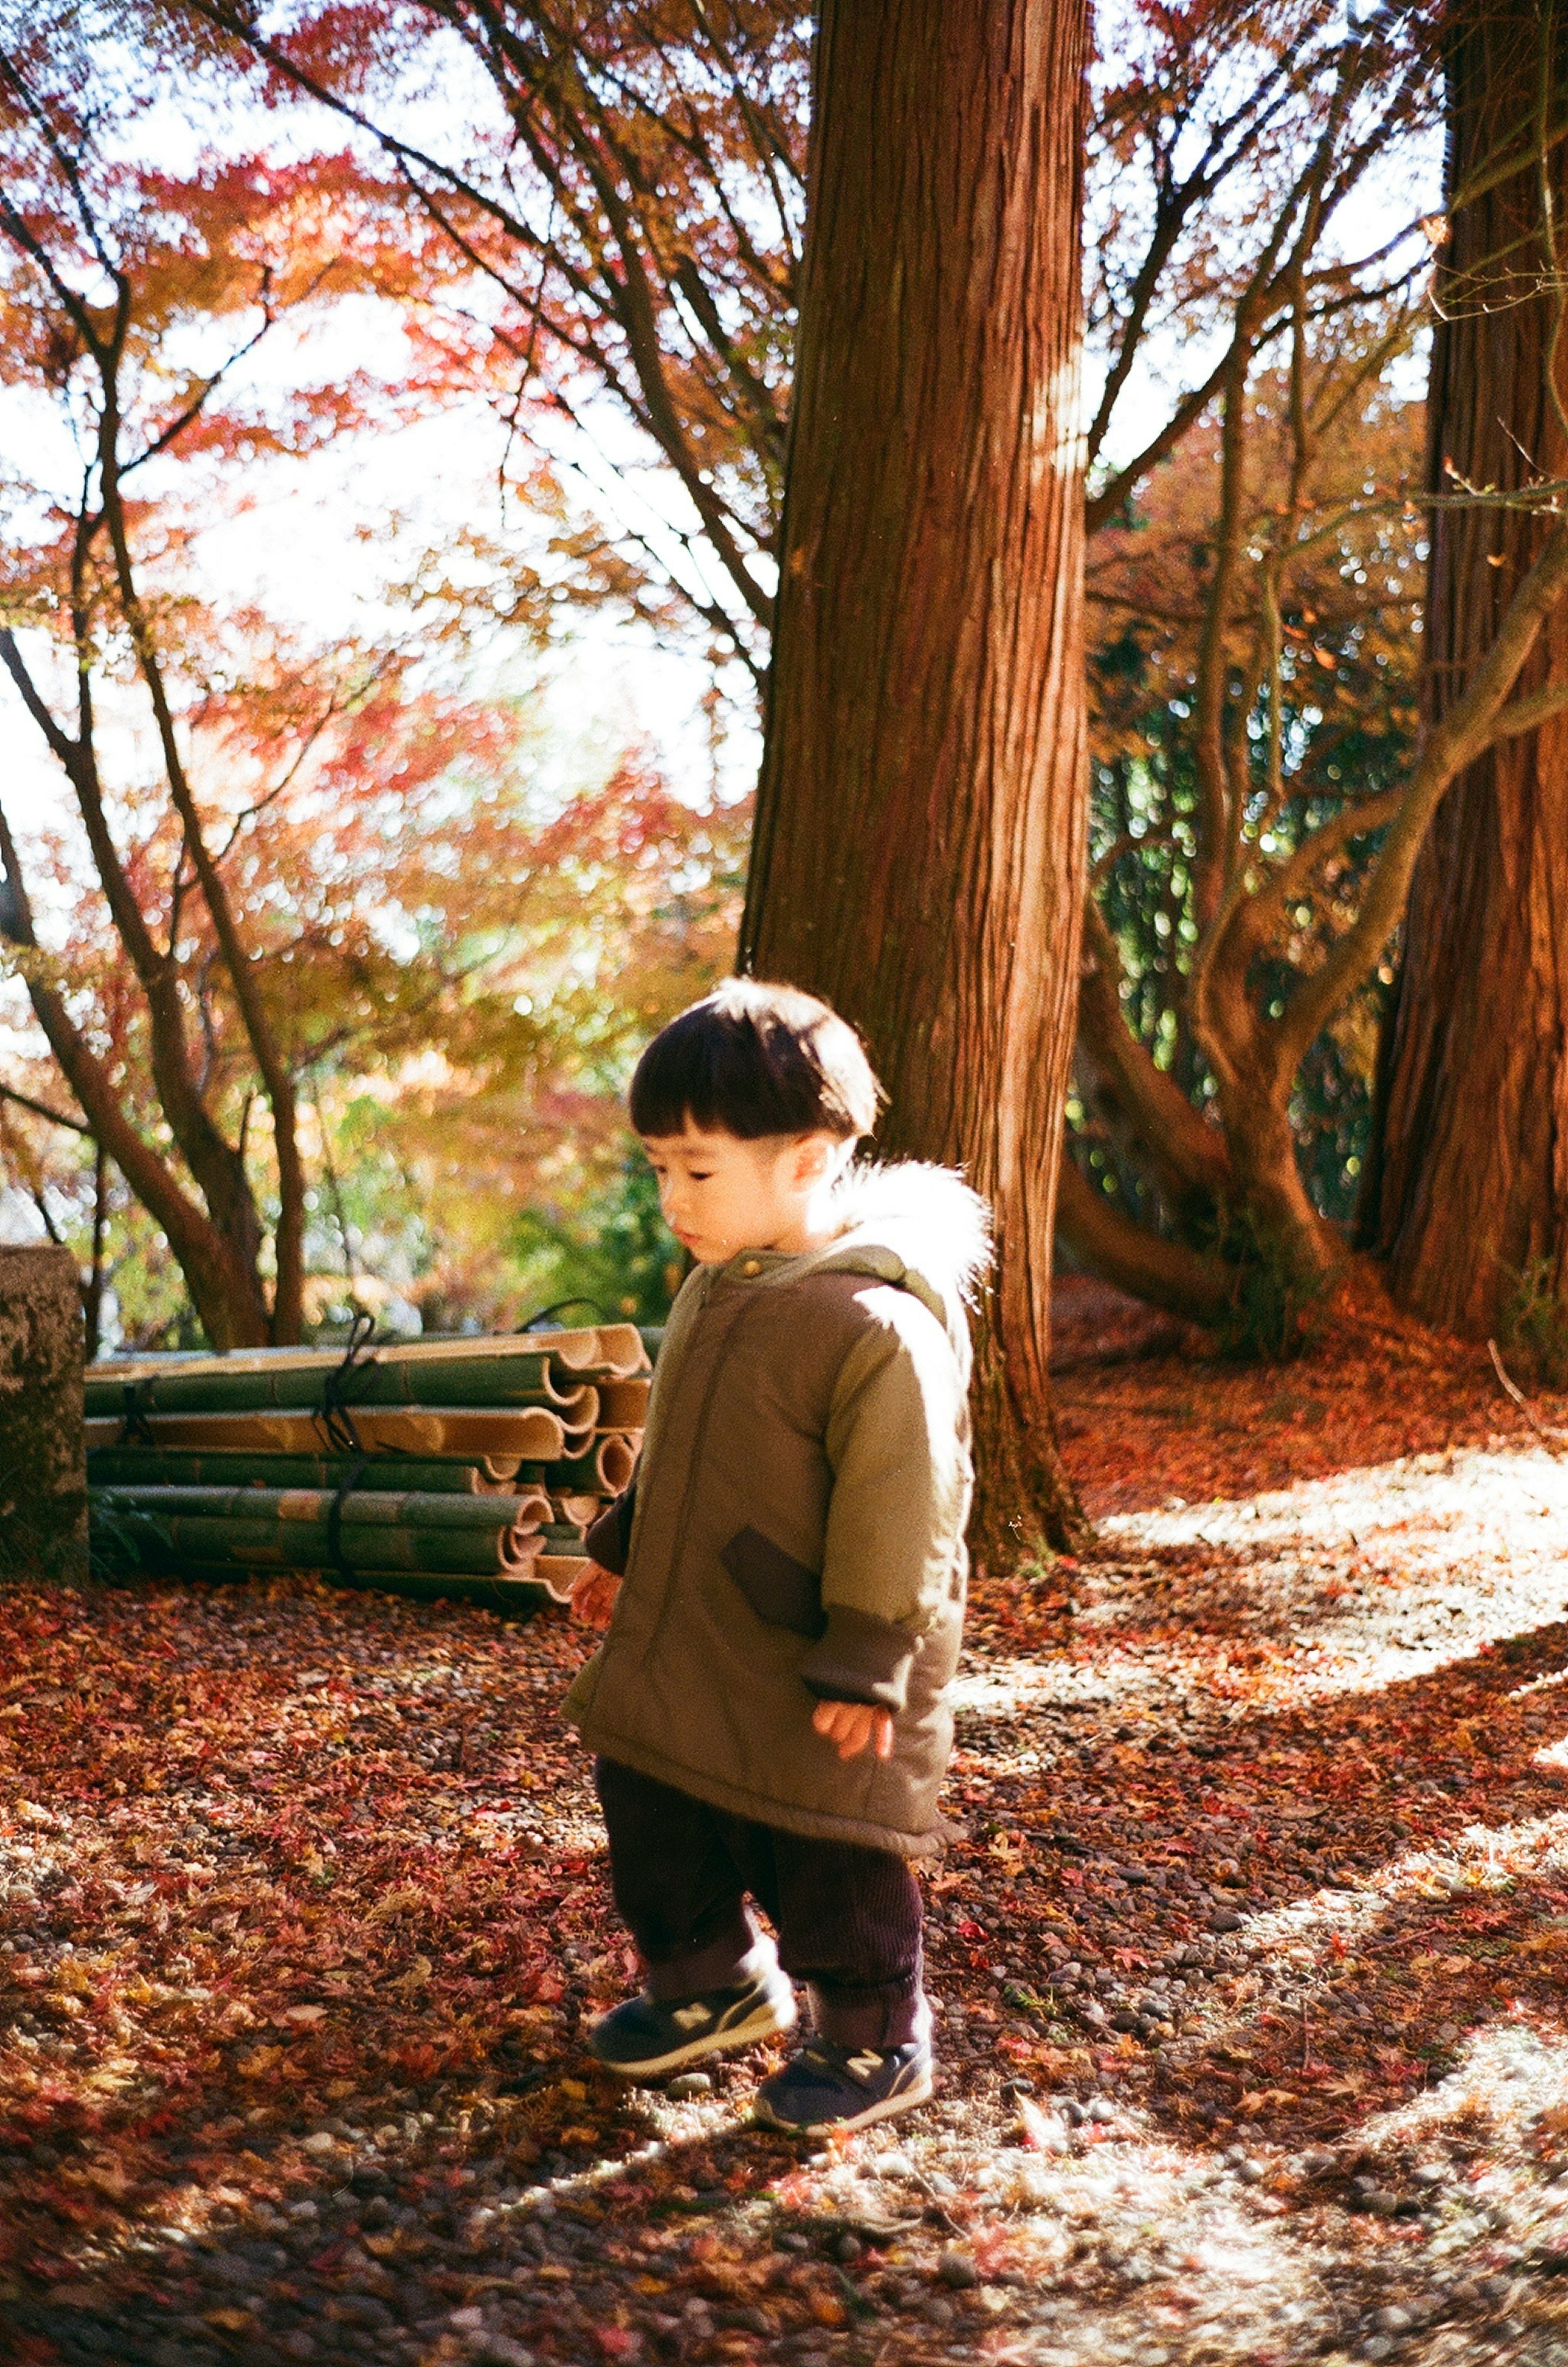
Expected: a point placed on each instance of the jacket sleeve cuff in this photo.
(608, 1540)
(858, 1658)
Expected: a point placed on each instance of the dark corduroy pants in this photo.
(848, 1917)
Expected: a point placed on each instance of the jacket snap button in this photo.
(752, 1265)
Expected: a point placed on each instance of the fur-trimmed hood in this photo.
(917, 1224)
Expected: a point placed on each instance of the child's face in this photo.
(720, 1194)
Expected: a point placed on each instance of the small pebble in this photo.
(689, 2084)
(1393, 2320)
(957, 2270)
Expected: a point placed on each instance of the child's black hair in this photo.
(755, 1060)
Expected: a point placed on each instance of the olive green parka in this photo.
(796, 1529)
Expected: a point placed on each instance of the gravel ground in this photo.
(1250, 1952)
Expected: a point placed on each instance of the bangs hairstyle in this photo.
(754, 1059)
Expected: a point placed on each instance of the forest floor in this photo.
(1251, 1954)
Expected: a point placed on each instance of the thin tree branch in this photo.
(42, 1109)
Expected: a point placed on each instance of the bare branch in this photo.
(42, 1109)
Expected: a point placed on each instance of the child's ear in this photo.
(820, 1155)
(813, 1157)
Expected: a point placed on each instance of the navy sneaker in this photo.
(648, 2036)
(830, 2087)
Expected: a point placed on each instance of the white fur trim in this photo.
(929, 1215)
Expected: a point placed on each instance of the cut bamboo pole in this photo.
(361, 1507)
(623, 1405)
(605, 1470)
(505, 1368)
(151, 1466)
(262, 1529)
(611, 1348)
(213, 1388)
(558, 1573)
(500, 1440)
(577, 1512)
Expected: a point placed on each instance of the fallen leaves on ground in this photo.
(1251, 1953)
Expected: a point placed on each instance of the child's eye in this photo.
(699, 1174)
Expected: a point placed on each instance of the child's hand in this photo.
(593, 1596)
(851, 1725)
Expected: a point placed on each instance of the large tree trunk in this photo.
(918, 853)
(1468, 1176)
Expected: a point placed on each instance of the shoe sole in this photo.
(770, 2021)
(890, 2107)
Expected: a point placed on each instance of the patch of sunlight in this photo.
(1481, 1859)
(1507, 2080)
(1397, 1569)
(1199, 2265)
(1476, 1492)
(1546, 1684)
(997, 1687)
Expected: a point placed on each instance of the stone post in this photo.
(43, 1471)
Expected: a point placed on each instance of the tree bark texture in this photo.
(920, 843)
(1468, 1174)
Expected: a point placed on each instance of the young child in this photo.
(783, 1581)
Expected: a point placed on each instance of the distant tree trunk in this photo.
(1468, 1176)
(918, 851)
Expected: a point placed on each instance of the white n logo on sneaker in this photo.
(692, 2017)
(865, 2067)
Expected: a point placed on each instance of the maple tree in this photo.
(100, 283)
(255, 905)
(634, 212)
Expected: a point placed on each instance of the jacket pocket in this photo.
(782, 1591)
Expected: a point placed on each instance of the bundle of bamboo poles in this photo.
(465, 1467)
